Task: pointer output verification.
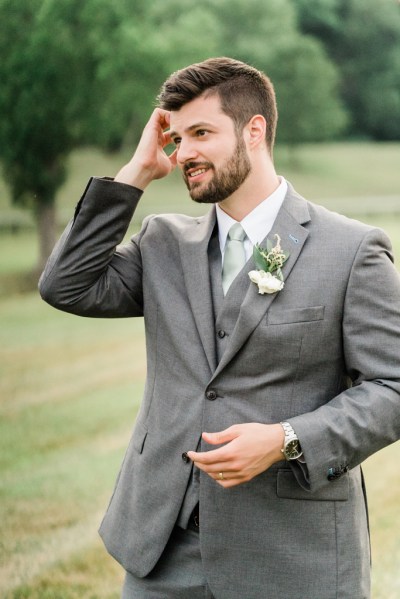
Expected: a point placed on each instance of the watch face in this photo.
(292, 450)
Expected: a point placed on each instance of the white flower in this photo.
(266, 282)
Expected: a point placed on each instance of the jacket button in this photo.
(221, 334)
(211, 395)
(185, 457)
(335, 473)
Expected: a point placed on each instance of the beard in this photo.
(226, 179)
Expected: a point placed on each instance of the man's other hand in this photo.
(247, 450)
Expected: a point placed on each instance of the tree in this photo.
(368, 54)
(320, 18)
(63, 68)
(265, 35)
(304, 78)
(307, 90)
(362, 37)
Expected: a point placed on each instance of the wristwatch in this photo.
(291, 445)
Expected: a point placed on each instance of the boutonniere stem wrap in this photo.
(269, 262)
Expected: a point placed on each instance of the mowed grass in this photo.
(70, 388)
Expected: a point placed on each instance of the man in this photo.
(264, 394)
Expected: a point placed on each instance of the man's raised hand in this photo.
(150, 161)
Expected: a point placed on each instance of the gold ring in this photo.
(221, 475)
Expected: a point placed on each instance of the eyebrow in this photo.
(191, 128)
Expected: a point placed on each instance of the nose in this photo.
(186, 151)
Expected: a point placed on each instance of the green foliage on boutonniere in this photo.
(269, 260)
(272, 258)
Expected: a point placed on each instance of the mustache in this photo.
(194, 165)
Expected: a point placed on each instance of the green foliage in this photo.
(368, 53)
(266, 36)
(69, 73)
(309, 108)
(254, 31)
(362, 37)
(270, 259)
(182, 33)
(319, 17)
(35, 132)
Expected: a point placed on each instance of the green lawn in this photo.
(70, 388)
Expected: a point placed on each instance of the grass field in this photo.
(70, 388)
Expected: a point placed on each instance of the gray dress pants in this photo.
(177, 575)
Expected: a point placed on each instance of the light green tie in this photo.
(234, 256)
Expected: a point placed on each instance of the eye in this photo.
(177, 140)
(201, 132)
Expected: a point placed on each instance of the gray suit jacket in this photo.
(323, 353)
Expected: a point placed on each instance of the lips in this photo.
(197, 172)
(194, 172)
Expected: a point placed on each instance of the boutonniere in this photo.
(269, 260)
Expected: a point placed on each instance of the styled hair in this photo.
(243, 91)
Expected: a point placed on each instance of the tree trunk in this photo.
(46, 228)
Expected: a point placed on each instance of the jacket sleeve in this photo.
(86, 273)
(365, 417)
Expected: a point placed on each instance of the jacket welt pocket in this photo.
(139, 437)
(296, 315)
(288, 488)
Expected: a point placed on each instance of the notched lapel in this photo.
(288, 225)
(196, 271)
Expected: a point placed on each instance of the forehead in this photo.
(200, 110)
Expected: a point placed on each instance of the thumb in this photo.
(173, 159)
(221, 436)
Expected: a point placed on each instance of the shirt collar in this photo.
(258, 223)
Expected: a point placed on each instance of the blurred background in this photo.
(78, 80)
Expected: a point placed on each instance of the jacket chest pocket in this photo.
(281, 335)
(292, 327)
(295, 316)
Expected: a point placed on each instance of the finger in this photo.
(173, 158)
(214, 469)
(159, 121)
(227, 484)
(166, 137)
(221, 436)
(229, 480)
(224, 476)
(166, 116)
(216, 456)
(163, 117)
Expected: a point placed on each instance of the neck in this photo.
(259, 185)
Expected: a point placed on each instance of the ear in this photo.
(254, 131)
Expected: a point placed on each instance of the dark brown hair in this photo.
(243, 91)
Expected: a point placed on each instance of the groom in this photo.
(242, 479)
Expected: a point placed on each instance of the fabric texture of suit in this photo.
(323, 353)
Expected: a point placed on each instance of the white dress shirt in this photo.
(257, 224)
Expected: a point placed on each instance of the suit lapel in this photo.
(196, 271)
(288, 225)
